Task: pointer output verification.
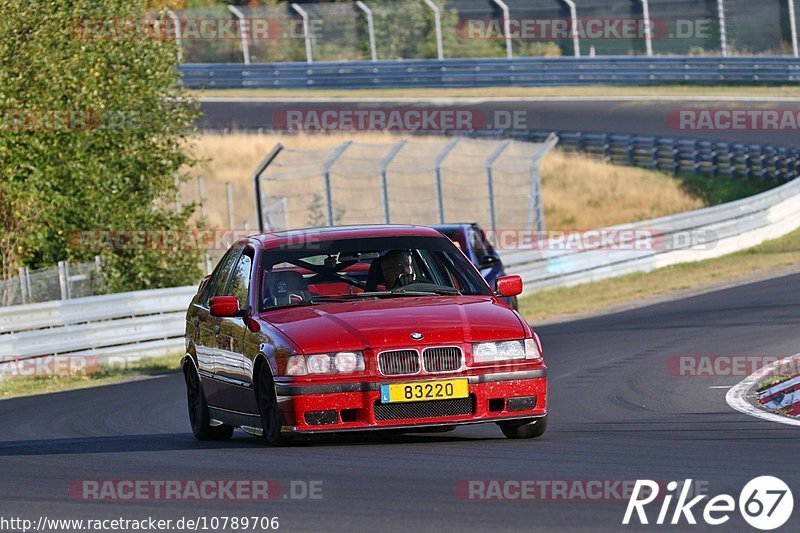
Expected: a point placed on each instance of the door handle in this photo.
(216, 329)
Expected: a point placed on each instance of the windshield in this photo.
(359, 269)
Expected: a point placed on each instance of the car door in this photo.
(208, 328)
(231, 337)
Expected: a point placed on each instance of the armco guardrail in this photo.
(145, 323)
(702, 234)
(529, 72)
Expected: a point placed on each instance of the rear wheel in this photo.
(198, 410)
(268, 408)
(524, 429)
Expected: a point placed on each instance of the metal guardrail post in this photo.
(506, 27)
(438, 170)
(437, 19)
(490, 183)
(177, 22)
(243, 31)
(723, 32)
(63, 279)
(306, 31)
(370, 28)
(384, 180)
(326, 173)
(793, 28)
(267, 161)
(648, 27)
(23, 287)
(576, 39)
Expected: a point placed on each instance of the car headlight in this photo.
(324, 363)
(489, 352)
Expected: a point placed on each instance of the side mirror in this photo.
(224, 306)
(508, 286)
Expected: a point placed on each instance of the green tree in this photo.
(92, 134)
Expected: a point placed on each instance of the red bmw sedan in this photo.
(358, 328)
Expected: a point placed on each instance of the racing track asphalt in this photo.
(642, 116)
(617, 414)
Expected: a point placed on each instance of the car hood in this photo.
(390, 322)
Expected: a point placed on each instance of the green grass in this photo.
(779, 255)
(772, 380)
(715, 190)
(13, 386)
(755, 91)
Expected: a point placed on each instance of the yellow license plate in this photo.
(420, 391)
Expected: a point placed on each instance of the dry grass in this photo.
(578, 191)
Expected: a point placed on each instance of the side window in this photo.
(216, 285)
(240, 280)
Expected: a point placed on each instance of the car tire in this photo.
(198, 411)
(524, 429)
(268, 408)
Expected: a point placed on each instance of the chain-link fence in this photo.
(68, 280)
(424, 29)
(495, 183)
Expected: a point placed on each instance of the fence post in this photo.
(573, 15)
(243, 31)
(723, 32)
(535, 196)
(63, 279)
(370, 28)
(267, 161)
(437, 20)
(306, 31)
(793, 27)
(178, 42)
(178, 205)
(229, 194)
(438, 170)
(506, 27)
(648, 28)
(393, 151)
(490, 183)
(326, 173)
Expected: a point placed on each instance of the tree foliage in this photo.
(92, 135)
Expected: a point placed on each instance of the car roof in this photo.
(454, 226)
(333, 233)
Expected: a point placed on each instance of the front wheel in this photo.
(198, 411)
(268, 408)
(524, 429)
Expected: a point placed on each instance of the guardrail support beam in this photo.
(437, 20)
(370, 28)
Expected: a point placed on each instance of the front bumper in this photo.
(333, 407)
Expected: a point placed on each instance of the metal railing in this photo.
(525, 72)
(67, 280)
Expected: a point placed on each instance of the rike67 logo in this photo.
(765, 503)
